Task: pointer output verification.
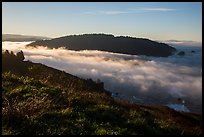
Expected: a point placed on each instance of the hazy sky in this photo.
(153, 20)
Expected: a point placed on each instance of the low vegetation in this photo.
(39, 100)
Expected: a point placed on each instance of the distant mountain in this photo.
(104, 42)
(21, 38)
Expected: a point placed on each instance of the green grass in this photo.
(45, 110)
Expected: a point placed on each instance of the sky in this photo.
(153, 20)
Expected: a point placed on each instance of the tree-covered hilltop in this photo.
(39, 100)
(104, 42)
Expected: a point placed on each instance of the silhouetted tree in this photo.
(12, 53)
(6, 53)
(20, 55)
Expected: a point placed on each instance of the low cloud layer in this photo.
(142, 79)
(158, 9)
(132, 11)
(183, 43)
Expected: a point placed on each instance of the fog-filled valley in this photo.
(140, 79)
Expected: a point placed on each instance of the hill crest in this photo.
(110, 43)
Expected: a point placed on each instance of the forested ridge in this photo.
(110, 43)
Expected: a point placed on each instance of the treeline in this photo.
(11, 61)
(12, 57)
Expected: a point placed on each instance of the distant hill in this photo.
(40, 100)
(21, 38)
(104, 42)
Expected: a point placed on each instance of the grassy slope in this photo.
(37, 99)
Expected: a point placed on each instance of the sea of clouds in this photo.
(141, 79)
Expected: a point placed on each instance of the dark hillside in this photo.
(103, 42)
(39, 100)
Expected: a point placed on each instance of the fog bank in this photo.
(142, 79)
